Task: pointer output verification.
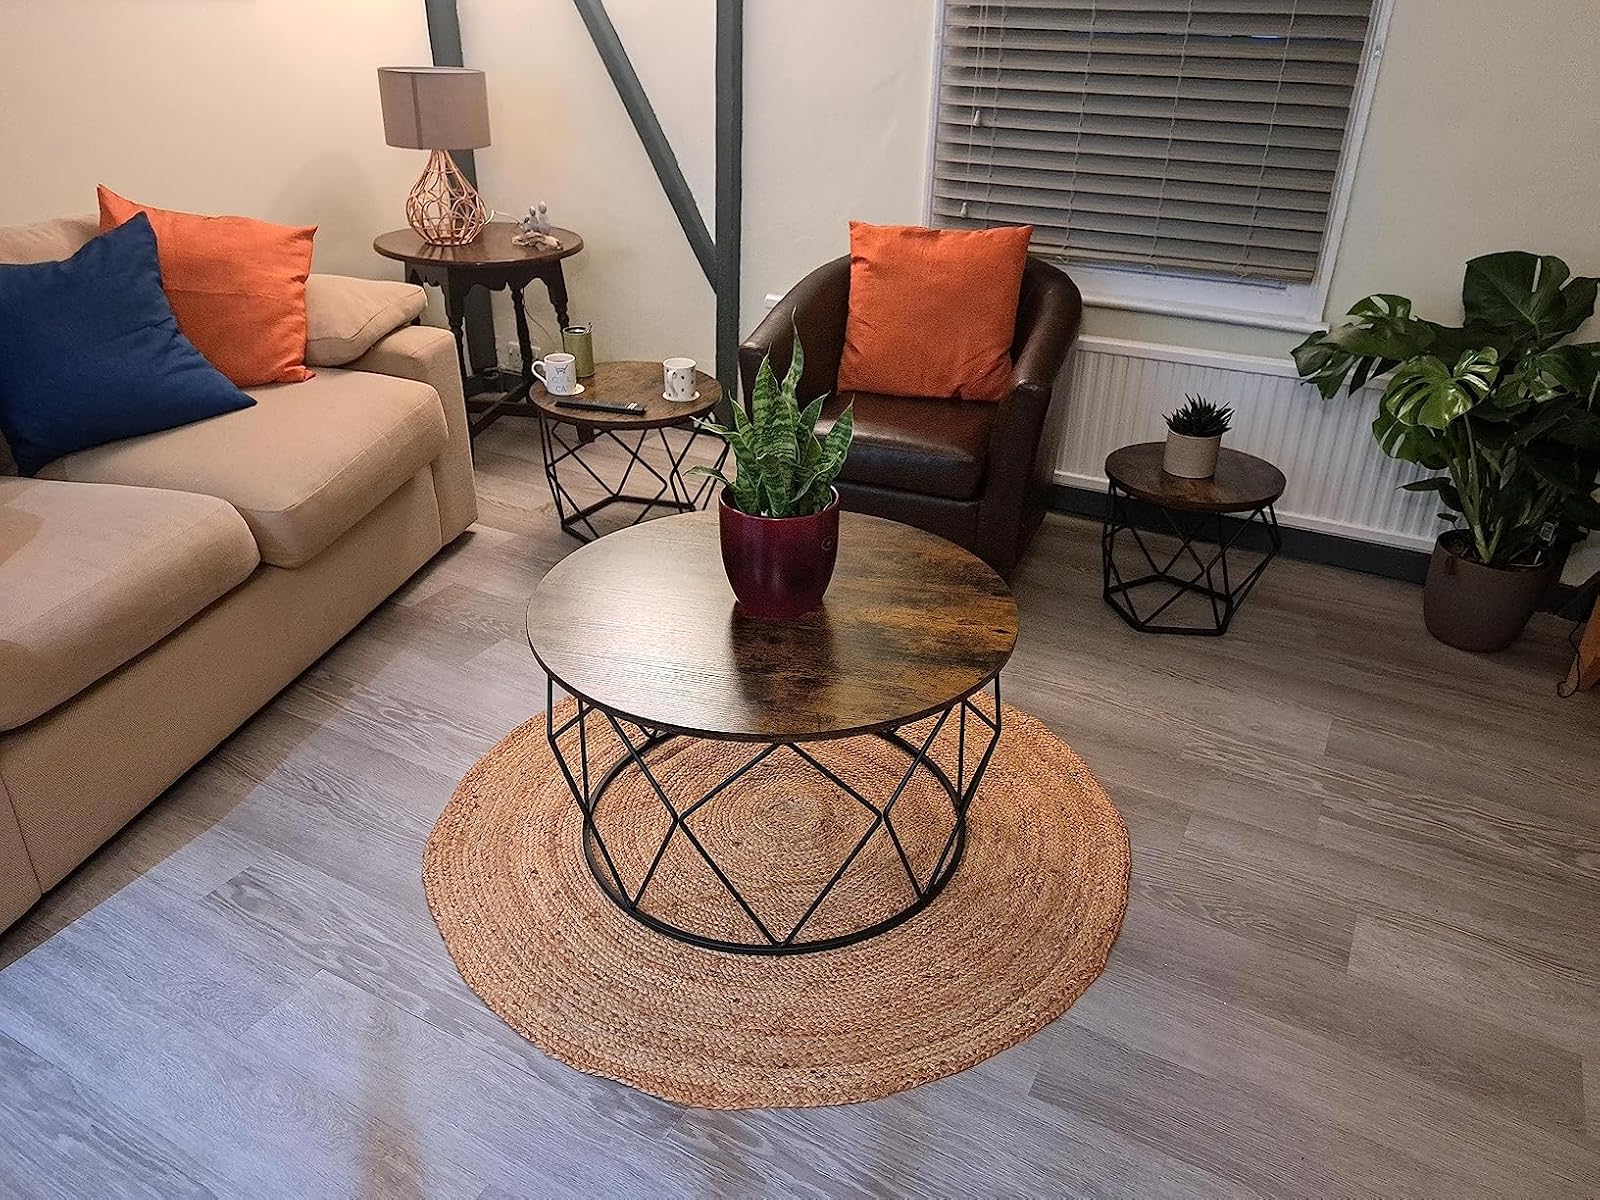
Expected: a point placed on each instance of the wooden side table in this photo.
(491, 261)
(1244, 486)
(642, 437)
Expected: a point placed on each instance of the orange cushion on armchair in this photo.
(932, 311)
(236, 285)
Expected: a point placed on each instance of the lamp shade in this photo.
(434, 108)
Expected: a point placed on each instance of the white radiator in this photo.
(1339, 482)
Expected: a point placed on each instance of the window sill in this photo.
(1220, 315)
(1294, 308)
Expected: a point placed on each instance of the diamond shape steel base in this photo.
(1225, 596)
(589, 788)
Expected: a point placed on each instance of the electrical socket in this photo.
(511, 356)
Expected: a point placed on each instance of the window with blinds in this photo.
(1200, 137)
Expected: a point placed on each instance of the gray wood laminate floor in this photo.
(1362, 954)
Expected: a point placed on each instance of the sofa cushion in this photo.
(90, 352)
(346, 317)
(933, 312)
(302, 466)
(92, 576)
(43, 241)
(46, 241)
(932, 447)
(237, 285)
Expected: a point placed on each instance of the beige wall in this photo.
(1483, 136)
(835, 127)
(263, 107)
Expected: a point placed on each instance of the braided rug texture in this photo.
(1019, 933)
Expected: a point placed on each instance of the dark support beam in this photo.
(654, 138)
(444, 36)
(730, 182)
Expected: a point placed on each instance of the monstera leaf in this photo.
(1382, 334)
(1528, 295)
(1411, 443)
(1427, 392)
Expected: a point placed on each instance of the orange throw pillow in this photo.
(237, 286)
(932, 311)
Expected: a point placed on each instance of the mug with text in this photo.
(558, 373)
(677, 379)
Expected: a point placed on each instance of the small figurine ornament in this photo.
(534, 229)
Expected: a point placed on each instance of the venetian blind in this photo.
(1197, 136)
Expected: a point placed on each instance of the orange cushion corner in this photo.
(237, 286)
(932, 311)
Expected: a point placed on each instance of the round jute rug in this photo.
(1021, 930)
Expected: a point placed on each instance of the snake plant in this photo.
(782, 469)
(1200, 418)
(1505, 411)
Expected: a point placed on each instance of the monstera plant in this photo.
(1503, 409)
(779, 513)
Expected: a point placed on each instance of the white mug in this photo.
(559, 374)
(677, 379)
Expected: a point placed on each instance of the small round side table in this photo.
(567, 433)
(1233, 510)
(490, 261)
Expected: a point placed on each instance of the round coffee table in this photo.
(1233, 510)
(643, 630)
(636, 383)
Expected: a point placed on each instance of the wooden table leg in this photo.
(556, 284)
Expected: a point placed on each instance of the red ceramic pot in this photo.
(779, 566)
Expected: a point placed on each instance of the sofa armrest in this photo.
(428, 354)
(1024, 438)
(817, 307)
(346, 316)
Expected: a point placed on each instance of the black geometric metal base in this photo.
(589, 788)
(673, 493)
(1211, 578)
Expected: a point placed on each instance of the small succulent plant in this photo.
(782, 468)
(1198, 417)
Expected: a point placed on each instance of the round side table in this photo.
(1231, 511)
(643, 630)
(568, 433)
(490, 261)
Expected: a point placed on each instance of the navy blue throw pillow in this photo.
(90, 352)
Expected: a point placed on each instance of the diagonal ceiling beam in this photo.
(626, 80)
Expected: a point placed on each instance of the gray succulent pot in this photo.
(1191, 457)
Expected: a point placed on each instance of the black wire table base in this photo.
(1211, 579)
(589, 786)
(673, 493)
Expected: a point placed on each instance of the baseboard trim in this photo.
(1313, 545)
(1371, 558)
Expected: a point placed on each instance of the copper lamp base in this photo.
(443, 207)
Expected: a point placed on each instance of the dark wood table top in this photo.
(1243, 482)
(622, 383)
(642, 622)
(491, 248)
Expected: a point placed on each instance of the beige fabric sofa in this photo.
(156, 592)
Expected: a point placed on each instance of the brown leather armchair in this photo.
(973, 471)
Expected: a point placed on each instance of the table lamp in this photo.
(438, 109)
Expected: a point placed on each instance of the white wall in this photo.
(1483, 136)
(835, 128)
(262, 107)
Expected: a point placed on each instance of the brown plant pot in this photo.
(779, 567)
(1473, 607)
